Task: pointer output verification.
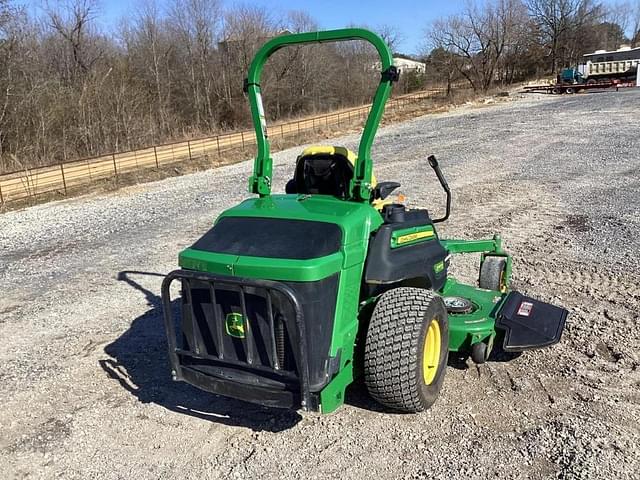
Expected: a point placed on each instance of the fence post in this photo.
(155, 154)
(281, 131)
(298, 127)
(218, 143)
(1, 197)
(115, 168)
(242, 137)
(64, 181)
(189, 147)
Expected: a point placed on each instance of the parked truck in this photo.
(618, 66)
(601, 69)
(603, 73)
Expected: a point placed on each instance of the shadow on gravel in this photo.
(498, 355)
(140, 364)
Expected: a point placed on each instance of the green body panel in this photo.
(345, 329)
(356, 220)
(332, 396)
(473, 246)
(360, 188)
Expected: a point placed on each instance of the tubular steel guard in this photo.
(239, 285)
(360, 187)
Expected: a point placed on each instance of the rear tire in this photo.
(570, 90)
(493, 274)
(406, 349)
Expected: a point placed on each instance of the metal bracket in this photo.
(391, 74)
(246, 85)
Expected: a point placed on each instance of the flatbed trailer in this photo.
(568, 88)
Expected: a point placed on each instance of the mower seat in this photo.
(323, 170)
(326, 170)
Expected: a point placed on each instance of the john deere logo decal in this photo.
(234, 325)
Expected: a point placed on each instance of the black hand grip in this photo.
(436, 168)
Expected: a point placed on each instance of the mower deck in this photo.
(478, 325)
(523, 322)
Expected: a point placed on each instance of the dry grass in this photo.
(393, 115)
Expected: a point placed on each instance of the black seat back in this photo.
(323, 174)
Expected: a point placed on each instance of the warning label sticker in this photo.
(525, 309)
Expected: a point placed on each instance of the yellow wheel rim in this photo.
(431, 352)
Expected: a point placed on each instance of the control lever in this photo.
(445, 186)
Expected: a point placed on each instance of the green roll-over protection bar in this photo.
(360, 187)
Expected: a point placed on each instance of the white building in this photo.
(406, 65)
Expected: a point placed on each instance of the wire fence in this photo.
(62, 177)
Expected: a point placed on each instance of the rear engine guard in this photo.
(246, 380)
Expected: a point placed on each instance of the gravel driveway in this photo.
(85, 390)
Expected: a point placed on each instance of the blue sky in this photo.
(410, 17)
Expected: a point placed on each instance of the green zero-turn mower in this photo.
(290, 297)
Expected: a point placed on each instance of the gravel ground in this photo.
(85, 388)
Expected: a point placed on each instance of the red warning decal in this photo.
(525, 309)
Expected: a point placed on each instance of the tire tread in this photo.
(391, 350)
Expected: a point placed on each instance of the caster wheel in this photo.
(493, 274)
(480, 353)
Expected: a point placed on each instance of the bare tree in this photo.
(479, 37)
(619, 13)
(560, 22)
(635, 24)
(72, 23)
(7, 55)
(196, 24)
(150, 50)
(392, 35)
(443, 67)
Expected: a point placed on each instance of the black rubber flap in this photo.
(530, 323)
